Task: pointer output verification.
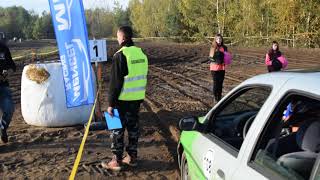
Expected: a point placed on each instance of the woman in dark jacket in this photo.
(219, 58)
(275, 61)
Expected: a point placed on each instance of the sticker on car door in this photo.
(208, 163)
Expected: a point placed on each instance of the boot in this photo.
(130, 160)
(113, 165)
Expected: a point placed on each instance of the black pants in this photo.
(129, 115)
(271, 69)
(218, 77)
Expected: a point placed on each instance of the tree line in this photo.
(20, 23)
(295, 23)
(253, 22)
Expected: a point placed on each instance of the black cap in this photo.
(127, 31)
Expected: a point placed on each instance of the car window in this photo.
(251, 99)
(231, 121)
(290, 142)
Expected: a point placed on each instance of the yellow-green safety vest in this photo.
(134, 85)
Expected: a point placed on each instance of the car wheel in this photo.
(184, 168)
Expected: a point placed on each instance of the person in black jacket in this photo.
(275, 60)
(6, 103)
(217, 65)
(126, 92)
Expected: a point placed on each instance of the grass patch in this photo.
(28, 52)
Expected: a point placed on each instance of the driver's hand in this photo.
(4, 72)
(110, 111)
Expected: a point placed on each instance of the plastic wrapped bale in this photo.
(43, 98)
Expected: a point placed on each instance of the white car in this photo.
(268, 127)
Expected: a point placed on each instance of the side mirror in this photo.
(189, 124)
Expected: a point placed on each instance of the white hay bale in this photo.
(44, 103)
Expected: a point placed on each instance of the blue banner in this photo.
(72, 38)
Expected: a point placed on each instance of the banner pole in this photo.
(98, 75)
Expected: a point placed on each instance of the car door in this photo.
(274, 140)
(217, 150)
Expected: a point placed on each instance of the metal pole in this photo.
(98, 75)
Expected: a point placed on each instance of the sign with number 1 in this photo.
(98, 50)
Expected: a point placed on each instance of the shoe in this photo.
(3, 135)
(130, 160)
(113, 165)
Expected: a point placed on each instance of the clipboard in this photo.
(113, 122)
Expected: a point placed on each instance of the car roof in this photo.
(298, 80)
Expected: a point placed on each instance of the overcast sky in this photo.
(43, 5)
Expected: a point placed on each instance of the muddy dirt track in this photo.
(179, 84)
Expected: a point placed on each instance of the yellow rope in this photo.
(79, 155)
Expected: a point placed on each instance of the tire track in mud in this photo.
(172, 82)
(152, 106)
(167, 128)
(186, 78)
(169, 78)
(292, 60)
(227, 76)
(198, 73)
(172, 99)
(227, 86)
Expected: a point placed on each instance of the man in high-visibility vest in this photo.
(127, 90)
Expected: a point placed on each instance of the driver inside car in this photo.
(296, 112)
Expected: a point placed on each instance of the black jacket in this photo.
(119, 70)
(218, 56)
(6, 62)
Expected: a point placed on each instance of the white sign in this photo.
(98, 50)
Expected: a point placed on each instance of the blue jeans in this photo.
(6, 105)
